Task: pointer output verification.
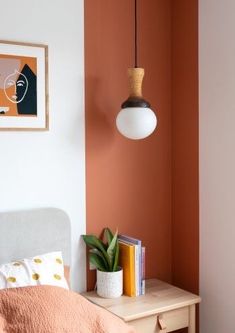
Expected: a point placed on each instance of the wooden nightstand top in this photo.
(159, 298)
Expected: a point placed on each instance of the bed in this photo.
(45, 308)
(22, 232)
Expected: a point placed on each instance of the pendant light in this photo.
(136, 120)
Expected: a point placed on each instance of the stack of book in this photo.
(132, 260)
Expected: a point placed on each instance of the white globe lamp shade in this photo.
(136, 122)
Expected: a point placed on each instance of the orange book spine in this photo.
(127, 262)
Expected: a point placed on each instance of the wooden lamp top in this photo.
(135, 76)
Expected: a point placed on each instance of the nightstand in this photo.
(164, 308)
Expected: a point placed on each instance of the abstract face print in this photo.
(20, 87)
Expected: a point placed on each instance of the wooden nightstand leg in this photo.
(192, 321)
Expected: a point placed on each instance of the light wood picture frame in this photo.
(23, 86)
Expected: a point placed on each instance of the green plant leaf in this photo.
(111, 249)
(116, 258)
(100, 254)
(108, 235)
(95, 243)
(97, 262)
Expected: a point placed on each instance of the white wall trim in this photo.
(217, 164)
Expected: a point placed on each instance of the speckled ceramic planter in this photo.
(110, 284)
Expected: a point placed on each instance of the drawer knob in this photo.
(161, 325)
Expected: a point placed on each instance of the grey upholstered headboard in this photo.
(32, 232)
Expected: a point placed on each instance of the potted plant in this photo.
(104, 255)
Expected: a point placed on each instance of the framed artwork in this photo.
(23, 86)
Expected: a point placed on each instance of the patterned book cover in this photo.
(143, 270)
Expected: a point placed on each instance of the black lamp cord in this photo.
(136, 46)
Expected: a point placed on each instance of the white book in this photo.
(137, 269)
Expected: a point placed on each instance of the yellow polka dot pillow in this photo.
(46, 269)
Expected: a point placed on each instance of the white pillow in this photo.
(45, 269)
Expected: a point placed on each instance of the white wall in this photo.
(217, 165)
(47, 168)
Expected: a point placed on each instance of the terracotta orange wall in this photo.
(149, 188)
(185, 181)
(129, 182)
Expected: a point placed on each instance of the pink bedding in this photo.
(47, 309)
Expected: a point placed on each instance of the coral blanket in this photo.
(47, 309)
